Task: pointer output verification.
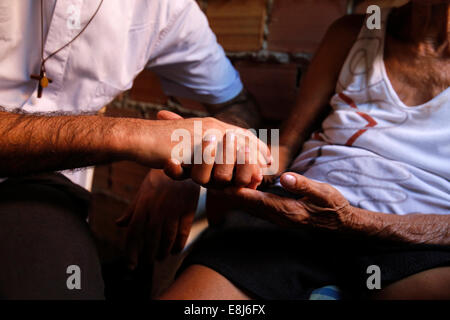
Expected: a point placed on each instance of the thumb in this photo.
(299, 184)
(167, 115)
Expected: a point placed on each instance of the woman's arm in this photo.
(318, 84)
(411, 228)
(321, 206)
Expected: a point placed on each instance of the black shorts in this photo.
(43, 230)
(272, 263)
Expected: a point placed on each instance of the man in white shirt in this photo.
(62, 61)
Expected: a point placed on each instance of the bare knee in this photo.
(198, 282)
(430, 284)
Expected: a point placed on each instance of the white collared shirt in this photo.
(171, 37)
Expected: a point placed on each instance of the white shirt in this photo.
(381, 154)
(171, 37)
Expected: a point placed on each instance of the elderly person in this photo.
(370, 188)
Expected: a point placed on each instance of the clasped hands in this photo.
(159, 219)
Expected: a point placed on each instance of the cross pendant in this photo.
(43, 81)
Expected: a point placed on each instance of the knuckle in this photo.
(301, 186)
(325, 189)
(258, 178)
(211, 122)
(243, 180)
(221, 176)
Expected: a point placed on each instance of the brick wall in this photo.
(269, 41)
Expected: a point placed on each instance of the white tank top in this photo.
(381, 154)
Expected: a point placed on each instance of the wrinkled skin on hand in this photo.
(317, 205)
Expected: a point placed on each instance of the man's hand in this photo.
(66, 142)
(314, 204)
(159, 220)
(243, 156)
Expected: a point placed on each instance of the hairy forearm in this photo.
(34, 143)
(410, 228)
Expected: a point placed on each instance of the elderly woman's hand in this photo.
(314, 204)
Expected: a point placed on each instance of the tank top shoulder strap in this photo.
(363, 61)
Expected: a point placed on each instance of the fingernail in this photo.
(288, 180)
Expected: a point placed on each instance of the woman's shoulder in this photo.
(348, 26)
(341, 36)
